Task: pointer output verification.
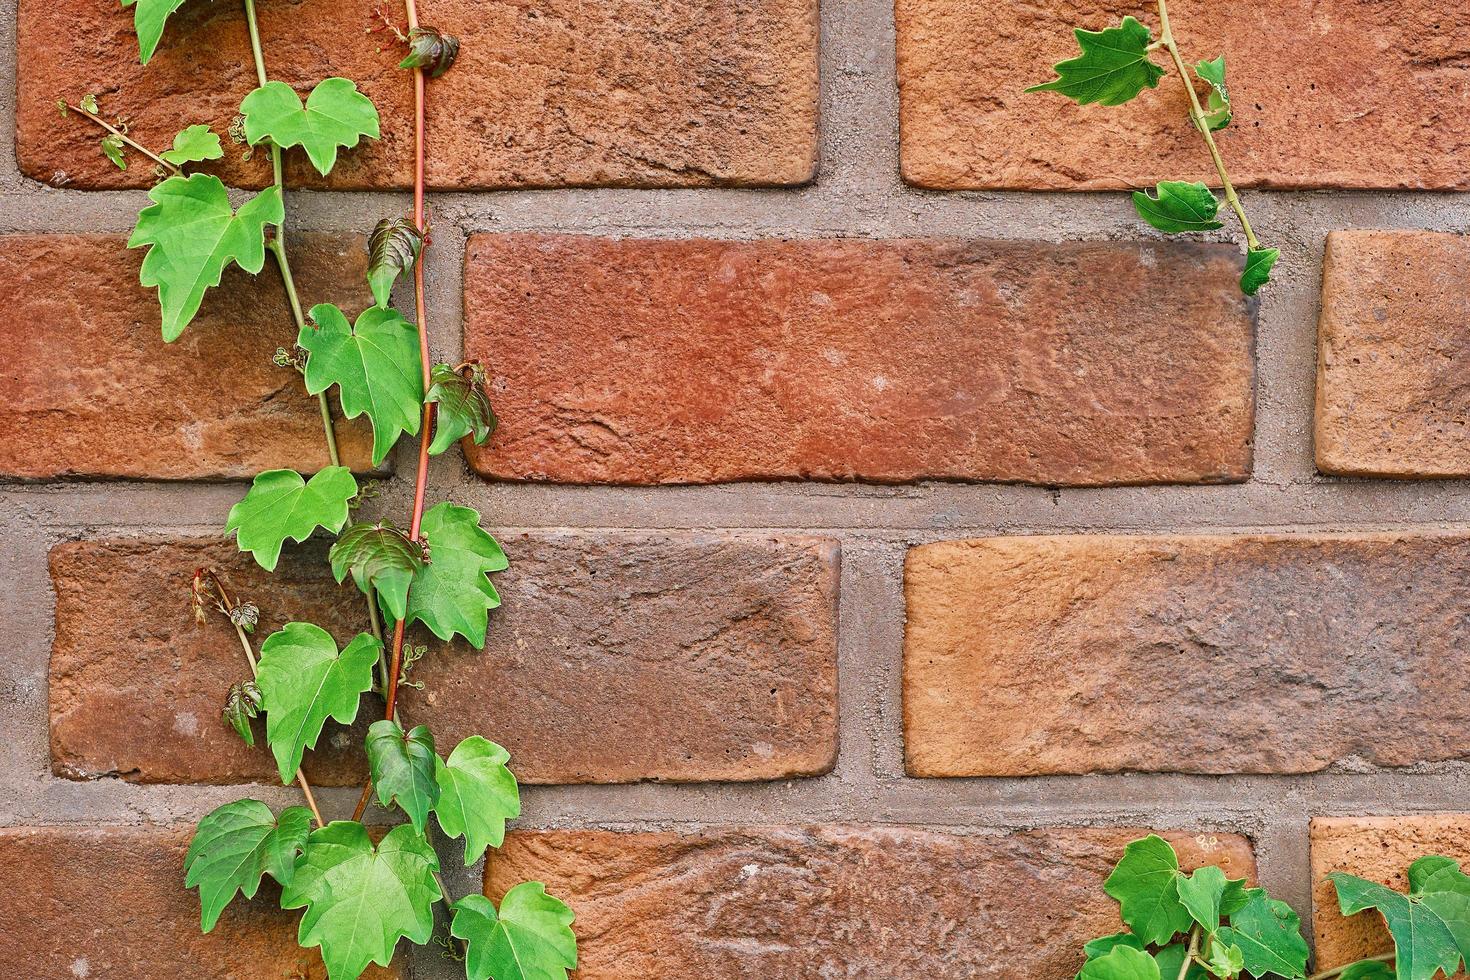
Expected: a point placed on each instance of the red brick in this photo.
(626, 93)
(1393, 355)
(827, 901)
(89, 388)
(683, 657)
(646, 362)
(1379, 849)
(108, 903)
(1326, 95)
(1222, 654)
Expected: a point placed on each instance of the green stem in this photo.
(1197, 116)
(1190, 955)
(1326, 974)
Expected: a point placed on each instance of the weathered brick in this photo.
(89, 388)
(830, 900)
(697, 361)
(1393, 355)
(1344, 104)
(109, 903)
(625, 93)
(1379, 849)
(682, 657)
(1221, 654)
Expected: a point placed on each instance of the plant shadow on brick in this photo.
(1112, 69)
(359, 897)
(1201, 925)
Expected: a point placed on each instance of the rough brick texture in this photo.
(1074, 654)
(1327, 95)
(728, 904)
(697, 361)
(1379, 849)
(108, 903)
(632, 92)
(1393, 354)
(89, 388)
(684, 657)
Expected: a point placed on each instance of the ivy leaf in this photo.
(1258, 265)
(1171, 959)
(1179, 206)
(375, 365)
(1146, 885)
(1217, 106)
(1106, 944)
(1208, 894)
(1269, 935)
(282, 505)
(305, 681)
(336, 115)
(529, 938)
(112, 149)
(464, 408)
(380, 557)
(361, 900)
(194, 234)
(1430, 925)
(236, 844)
(242, 704)
(1367, 970)
(1225, 961)
(431, 50)
(403, 769)
(1112, 68)
(1123, 963)
(477, 795)
(148, 21)
(453, 594)
(393, 248)
(194, 144)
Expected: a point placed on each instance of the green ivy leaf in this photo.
(453, 594)
(194, 144)
(1258, 265)
(1217, 106)
(1208, 894)
(236, 844)
(336, 115)
(1112, 68)
(112, 149)
(1430, 925)
(1106, 944)
(194, 234)
(393, 248)
(148, 21)
(1146, 885)
(361, 900)
(1269, 935)
(1225, 961)
(464, 408)
(282, 505)
(477, 795)
(529, 938)
(375, 365)
(1179, 206)
(305, 681)
(1122, 963)
(380, 557)
(1367, 970)
(402, 767)
(1171, 959)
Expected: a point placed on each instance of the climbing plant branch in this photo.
(1113, 68)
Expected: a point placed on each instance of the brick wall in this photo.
(884, 554)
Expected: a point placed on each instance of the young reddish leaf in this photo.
(380, 557)
(464, 408)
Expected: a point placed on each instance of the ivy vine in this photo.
(1113, 68)
(358, 898)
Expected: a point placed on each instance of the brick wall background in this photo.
(1125, 551)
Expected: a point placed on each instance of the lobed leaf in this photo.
(452, 594)
(112, 149)
(464, 408)
(1258, 265)
(148, 21)
(393, 248)
(1269, 935)
(335, 115)
(402, 766)
(1146, 885)
(1208, 894)
(360, 900)
(380, 557)
(193, 145)
(1179, 206)
(477, 795)
(193, 234)
(1112, 69)
(234, 846)
(375, 365)
(1217, 104)
(1122, 963)
(528, 938)
(305, 681)
(1430, 925)
(282, 505)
